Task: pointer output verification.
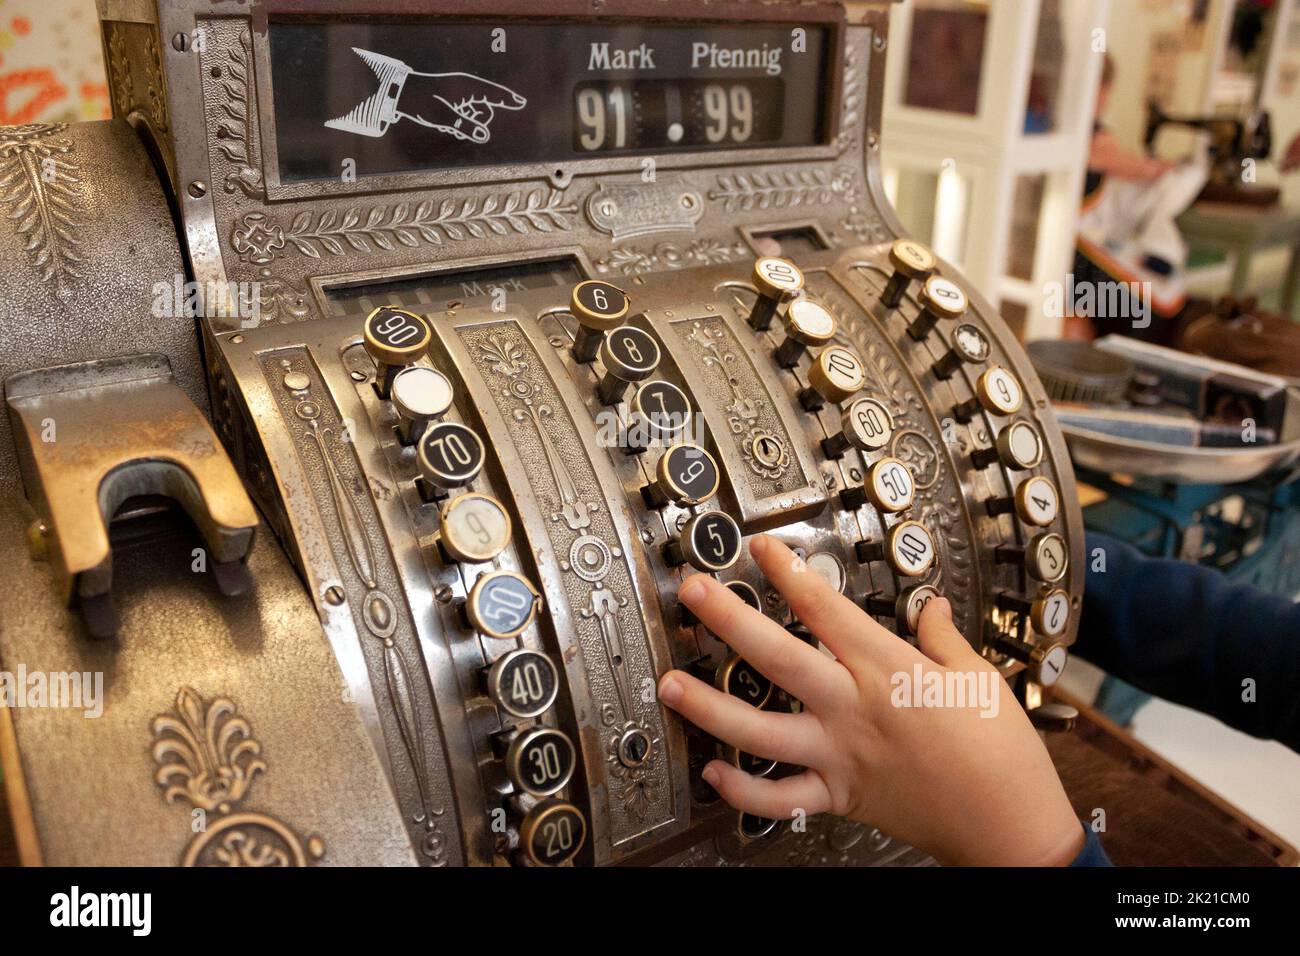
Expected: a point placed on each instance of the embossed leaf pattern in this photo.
(851, 98)
(777, 189)
(42, 191)
(387, 227)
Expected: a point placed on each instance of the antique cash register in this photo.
(375, 376)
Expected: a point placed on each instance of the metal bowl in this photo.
(1192, 466)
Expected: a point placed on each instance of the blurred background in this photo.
(1139, 142)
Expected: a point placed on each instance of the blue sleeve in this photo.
(1092, 853)
(1185, 633)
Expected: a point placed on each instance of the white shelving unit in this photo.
(994, 199)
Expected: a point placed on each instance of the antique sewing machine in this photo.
(373, 379)
(1233, 141)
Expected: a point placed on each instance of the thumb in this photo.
(939, 638)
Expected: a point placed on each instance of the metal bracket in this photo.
(93, 435)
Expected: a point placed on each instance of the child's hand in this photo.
(967, 788)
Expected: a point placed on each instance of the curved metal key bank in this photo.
(373, 380)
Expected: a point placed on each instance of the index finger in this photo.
(846, 629)
(779, 656)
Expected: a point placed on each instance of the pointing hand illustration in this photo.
(459, 105)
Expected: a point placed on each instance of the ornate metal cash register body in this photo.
(372, 381)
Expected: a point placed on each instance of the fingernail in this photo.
(670, 689)
(693, 590)
(711, 775)
(758, 545)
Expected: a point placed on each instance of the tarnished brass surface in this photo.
(79, 283)
(92, 436)
(92, 782)
(356, 723)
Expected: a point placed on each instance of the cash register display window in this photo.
(375, 98)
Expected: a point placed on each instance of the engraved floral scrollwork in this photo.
(505, 355)
(765, 452)
(866, 227)
(634, 786)
(592, 560)
(157, 100)
(207, 755)
(379, 616)
(280, 301)
(918, 452)
(42, 189)
(630, 260)
(257, 238)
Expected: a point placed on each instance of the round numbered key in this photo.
(1018, 446)
(751, 826)
(1047, 663)
(523, 683)
(753, 765)
(906, 608)
(474, 528)
(710, 542)
(741, 680)
(909, 549)
(450, 455)
(629, 353)
(501, 604)
(944, 298)
(1050, 614)
(910, 260)
(777, 277)
(395, 336)
(420, 395)
(999, 391)
(889, 485)
(540, 761)
(836, 375)
(969, 346)
(552, 832)
(1037, 502)
(598, 305)
(868, 424)
(661, 410)
(686, 475)
(1047, 557)
(808, 323)
(909, 256)
(911, 603)
(829, 568)
(747, 593)
(775, 281)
